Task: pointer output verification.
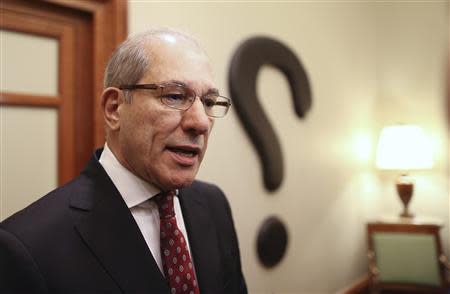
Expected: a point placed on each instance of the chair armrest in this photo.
(444, 261)
(372, 264)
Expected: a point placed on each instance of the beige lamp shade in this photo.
(404, 147)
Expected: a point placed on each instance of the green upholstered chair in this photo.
(406, 257)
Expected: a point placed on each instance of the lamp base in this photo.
(405, 189)
(406, 214)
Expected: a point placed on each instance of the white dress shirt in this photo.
(137, 194)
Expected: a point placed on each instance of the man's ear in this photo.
(112, 98)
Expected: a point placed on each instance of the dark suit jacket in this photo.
(82, 238)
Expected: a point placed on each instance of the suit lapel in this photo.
(202, 239)
(108, 228)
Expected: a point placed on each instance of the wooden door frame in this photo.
(63, 101)
(109, 29)
(80, 118)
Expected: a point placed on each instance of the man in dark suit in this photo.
(135, 221)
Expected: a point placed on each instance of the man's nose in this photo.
(195, 119)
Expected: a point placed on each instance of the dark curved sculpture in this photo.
(272, 242)
(245, 65)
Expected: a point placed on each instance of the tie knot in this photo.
(164, 201)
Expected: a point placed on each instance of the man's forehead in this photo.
(180, 60)
(165, 43)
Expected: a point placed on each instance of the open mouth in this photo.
(184, 151)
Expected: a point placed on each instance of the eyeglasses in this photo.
(179, 96)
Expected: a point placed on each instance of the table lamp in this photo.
(404, 148)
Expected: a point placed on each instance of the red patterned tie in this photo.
(175, 256)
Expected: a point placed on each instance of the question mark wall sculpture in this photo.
(248, 59)
(246, 63)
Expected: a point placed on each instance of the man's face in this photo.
(162, 145)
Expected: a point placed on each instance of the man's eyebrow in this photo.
(175, 82)
(212, 91)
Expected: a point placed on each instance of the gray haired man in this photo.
(136, 220)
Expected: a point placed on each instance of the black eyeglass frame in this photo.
(226, 103)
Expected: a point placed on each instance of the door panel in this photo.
(28, 157)
(52, 52)
(29, 63)
(29, 23)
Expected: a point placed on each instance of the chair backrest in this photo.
(405, 256)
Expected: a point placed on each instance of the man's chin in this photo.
(177, 183)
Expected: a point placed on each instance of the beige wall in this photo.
(355, 55)
(412, 65)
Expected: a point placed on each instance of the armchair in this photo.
(406, 258)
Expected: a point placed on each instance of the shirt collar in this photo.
(133, 189)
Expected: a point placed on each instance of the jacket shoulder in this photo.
(208, 192)
(46, 211)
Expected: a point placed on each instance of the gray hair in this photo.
(130, 61)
